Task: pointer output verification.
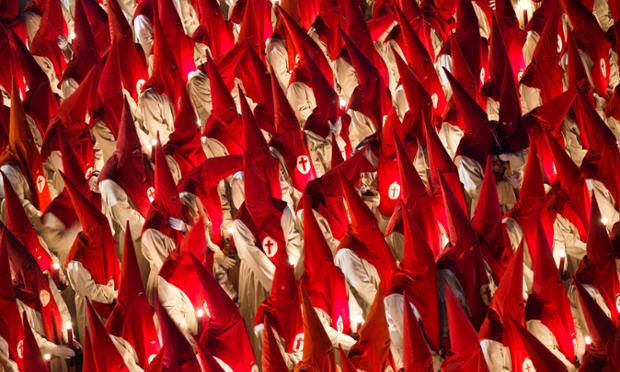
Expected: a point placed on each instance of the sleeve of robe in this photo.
(178, 306)
(323, 225)
(84, 285)
(277, 58)
(105, 140)
(345, 78)
(301, 98)
(320, 152)
(253, 256)
(361, 127)
(5, 362)
(128, 353)
(143, 31)
(157, 115)
(471, 175)
(361, 275)
(603, 14)
(117, 205)
(156, 247)
(200, 93)
(496, 355)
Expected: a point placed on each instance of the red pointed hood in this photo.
(419, 100)
(464, 257)
(331, 13)
(322, 279)
(271, 356)
(283, 304)
(420, 61)
(22, 152)
(597, 269)
(298, 39)
(418, 279)
(224, 122)
(98, 20)
(531, 203)
(288, 139)
(318, 350)
(388, 177)
(511, 130)
(440, 162)
(507, 302)
(184, 144)
(549, 288)
(476, 143)
(11, 328)
(416, 356)
(39, 100)
(85, 49)
(415, 198)
(128, 167)
(33, 359)
(371, 97)
(462, 73)
(214, 30)
(372, 350)
(180, 44)
(178, 268)
(487, 221)
(224, 107)
(576, 70)
(465, 352)
(572, 182)
(225, 325)
(467, 35)
(600, 327)
(134, 70)
(550, 116)
(94, 246)
(166, 201)
(132, 317)
(18, 224)
(527, 351)
(543, 72)
(105, 353)
(357, 29)
(257, 150)
(178, 354)
(512, 35)
(11, 65)
(256, 25)
(70, 120)
(109, 101)
(363, 235)
(167, 76)
(460, 229)
(256, 82)
(45, 41)
(498, 58)
(327, 104)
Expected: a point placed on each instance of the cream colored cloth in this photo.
(361, 276)
(544, 335)
(156, 114)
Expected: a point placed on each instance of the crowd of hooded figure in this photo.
(309, 185)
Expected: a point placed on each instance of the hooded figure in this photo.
(166, 221)
(132, 318)
(262, 226)
(158, 99)
(92, 263)
(326, 286)
(22, 165)
(363, 254)
(223, 326)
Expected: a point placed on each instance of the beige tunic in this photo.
(156, 115)
(301, 98)
(277, 58)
